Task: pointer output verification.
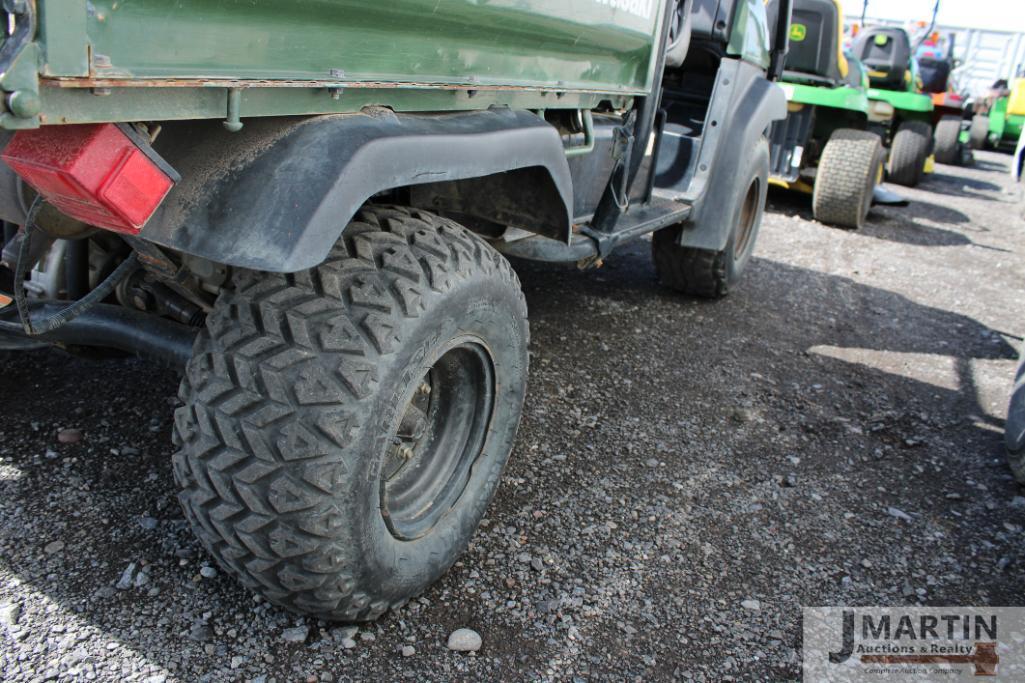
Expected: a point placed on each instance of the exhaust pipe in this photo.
(108, 326)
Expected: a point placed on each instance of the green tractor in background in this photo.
(898, 110)
(1002, 126)
(824, 146)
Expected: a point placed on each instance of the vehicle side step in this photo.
(588, 244)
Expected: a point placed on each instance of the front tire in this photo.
(713, 274)
(848, 170)
(948, 140)
(345, 427)
(910, 149)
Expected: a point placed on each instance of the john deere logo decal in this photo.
(798, 32)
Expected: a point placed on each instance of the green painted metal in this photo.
(998, 119)
(749, 37)
(588, 146)
(21, 78)
(125, 60)
(62, 29)
(79, 105)
(590, 45)
(904, 101)
(1014, 126)
(843, 97)
(1003, 127)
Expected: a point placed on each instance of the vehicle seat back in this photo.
(935, 74)
(815, 41)
(886, 53)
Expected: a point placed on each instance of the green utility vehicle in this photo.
(898, 110)
(823, 145)
(307, 206)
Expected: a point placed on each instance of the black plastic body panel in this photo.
(743, 106)
(277, 195)
(591, 172)
(712, 20)
(785, 138)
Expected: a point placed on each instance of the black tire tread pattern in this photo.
(699, 272)
(846, 177)
(978, 134)
(910, 149)
(265, 423)
(948, 140)
(704, 272)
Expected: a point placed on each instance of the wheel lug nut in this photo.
(406, 452)
(425, 388)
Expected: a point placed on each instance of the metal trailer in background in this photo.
(984, 56)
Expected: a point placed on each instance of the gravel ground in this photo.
(687, 475)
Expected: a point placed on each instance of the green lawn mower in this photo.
(1002, 127)
(823, 146)
(898, 110)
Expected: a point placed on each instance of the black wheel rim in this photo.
(748, 215)
(439, 439)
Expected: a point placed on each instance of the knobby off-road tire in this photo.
(1014, 428)
(713, 274)
(849, 168)
(910, 149)
(345, 427)
(978, 134)
(948, 140)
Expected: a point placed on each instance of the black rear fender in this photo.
(277, 195)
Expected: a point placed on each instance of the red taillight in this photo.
(95, 173)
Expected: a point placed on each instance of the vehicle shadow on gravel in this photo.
(815, 309)
(725, 395)
(986, 165)
(962, 186)
(808, 308)
(807, 415)
(915, 224)
(903, 224)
